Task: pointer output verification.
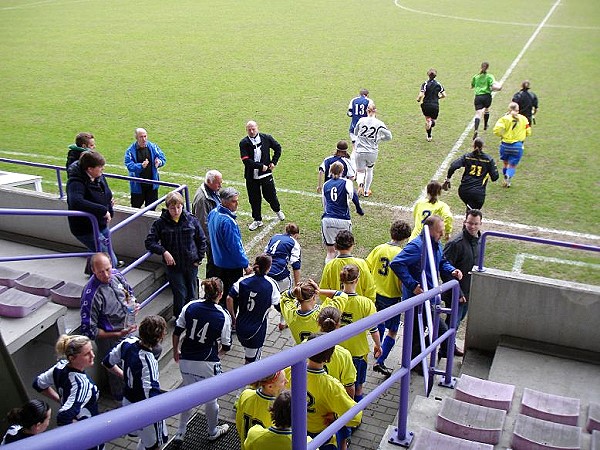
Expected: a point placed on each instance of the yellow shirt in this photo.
(271, 438)
(331, 275)
(387, 283)
(341, 366)
(252, 408)
(424, 209)
(358, 307)
(512, 129)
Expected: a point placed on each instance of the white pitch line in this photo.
(521, 257)
(497, 22)
(450, 157)
(41, 3)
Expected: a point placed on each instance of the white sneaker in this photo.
(179, 437)
(280, 215)
(254, 225)
(361, 190)
(221, 430)
(429, 138)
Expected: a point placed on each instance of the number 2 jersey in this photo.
(479, 168)
(423, 209)
(369, 132)
(206, 324)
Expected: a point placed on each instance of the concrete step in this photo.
(471, 422)
(550, 407)
(595, 440)
(17, 304)
(484, 392)
(537, 434)
(427, 440)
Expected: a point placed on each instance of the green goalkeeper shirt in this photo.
(482, 83)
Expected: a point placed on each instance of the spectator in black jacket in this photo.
(88, 191)
(479, 169)
(178, 237)
(462, 251)
(83, 141)
(255, 151)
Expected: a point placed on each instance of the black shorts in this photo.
(430, 110)
(482, 101)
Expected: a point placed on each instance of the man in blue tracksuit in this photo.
(142, 159)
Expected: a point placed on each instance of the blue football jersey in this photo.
(357, 109)
(284, 250)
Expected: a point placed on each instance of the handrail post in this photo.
(299, 427)
(61, 193)
(403, 437)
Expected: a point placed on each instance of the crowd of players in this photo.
(350, 288)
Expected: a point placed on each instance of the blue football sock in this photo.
(381, 329)
(504, 171)
(511, 172)
(386, 348)
(358, 398)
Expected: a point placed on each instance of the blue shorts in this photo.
(360, 362)
(511, 153)
(381, 303)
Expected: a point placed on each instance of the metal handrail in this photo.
(120, 421)
(571, 245)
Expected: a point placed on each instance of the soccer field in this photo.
(193, 72)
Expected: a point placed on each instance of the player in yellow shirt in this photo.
(358, 307)
(300, 310)
(340, 366)
(330, 279)
(432, 206)
(388, 288)
(326, 396)
(512, 128)
(279, 435)
(252, 407)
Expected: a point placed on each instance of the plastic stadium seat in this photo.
(537, 434)
(471, 422)
(553, 408)
(37, 284)
(593, 422)
(69, 295)
(8, 276)
(15, 303)
(427, 439)
(484, 392)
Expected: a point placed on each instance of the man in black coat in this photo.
(255, 151)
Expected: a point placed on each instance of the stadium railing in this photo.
(121, 421)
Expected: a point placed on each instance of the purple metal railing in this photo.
(55, 213)
(120, 421)
(517, 237)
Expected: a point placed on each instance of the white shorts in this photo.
(364, 160)
(153, 435)
(252, 354)
(331, 227)
(193, 371)
(285, 284)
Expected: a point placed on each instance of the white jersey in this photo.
(369, 132)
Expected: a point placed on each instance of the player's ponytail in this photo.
(329, 319)
(262, 264)
(213, 289)
(305, 290)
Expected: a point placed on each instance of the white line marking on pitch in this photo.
(41, 3)
(450, 157)
(497, 22)
(183, 176)
(521, 257)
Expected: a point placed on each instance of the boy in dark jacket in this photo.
(178, 237)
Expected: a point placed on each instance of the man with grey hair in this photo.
(255, 151)
(228, 251)
(142, 159)
(205, 200)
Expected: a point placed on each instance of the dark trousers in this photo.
(148, 196)
(257, 189)
(211, 269)
(228, 277)
(416, 344)
(473, 200)
(184, 284)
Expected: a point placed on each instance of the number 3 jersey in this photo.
(206, 324)
(369, 132)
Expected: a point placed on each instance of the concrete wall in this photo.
(534, 308)
(127, 242)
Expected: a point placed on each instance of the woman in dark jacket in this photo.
(178, 237)
(88, 191)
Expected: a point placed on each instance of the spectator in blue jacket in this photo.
(407, 267)
(142, 159)
(229, 255)
(178, 237)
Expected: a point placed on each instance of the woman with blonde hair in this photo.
(67, 383)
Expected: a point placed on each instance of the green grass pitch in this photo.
(193, 72)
